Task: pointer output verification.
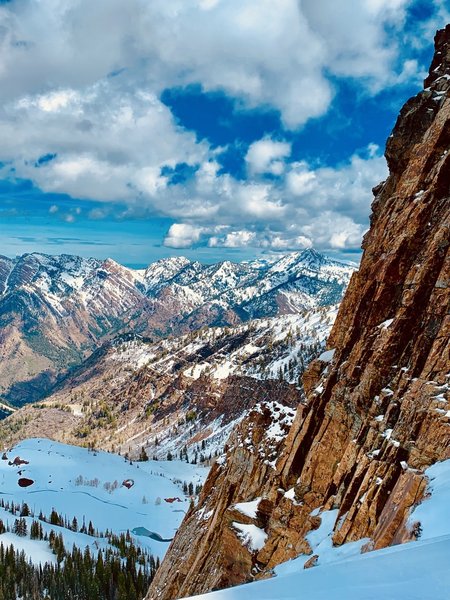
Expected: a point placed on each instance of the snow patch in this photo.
(248, 508)
(327, 356)
(251, 536)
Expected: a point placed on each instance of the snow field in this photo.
(417, 570)
(88, 486)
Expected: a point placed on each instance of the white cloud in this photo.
(411, 71)
(278, 242)
(258, 201)
(182, 235)
(208, 4)
(300, 180)
(443, 11)
(233, 239)
(267, 156)
(109, 144)
(262, 52)
(355, 36)
(81, 80)
(263, 239)
(424, 31)
(51, 102)
(332, 230)
(323, 207)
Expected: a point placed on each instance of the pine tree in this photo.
(20, 527)
(74, 526)
(143, 457)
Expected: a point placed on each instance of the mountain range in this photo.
(179, 392)
(56, 310)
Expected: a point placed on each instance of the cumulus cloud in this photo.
(130, 136)
(80, 89)
(300, 179)
(355, 36)
(323, 207)
(264, 53)
(182, 235)
(233, 239)
(267, 156)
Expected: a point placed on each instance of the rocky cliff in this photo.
(377, 411)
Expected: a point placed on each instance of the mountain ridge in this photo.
(55, 310)
(132, 393)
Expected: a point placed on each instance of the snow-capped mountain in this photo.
(178, 392)
(253, 289)
(54, 310)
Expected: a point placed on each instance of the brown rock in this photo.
(25, 482)
(379, 416)
(311, 562)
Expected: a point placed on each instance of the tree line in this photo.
(122, 571)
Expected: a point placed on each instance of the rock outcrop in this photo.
(377, 410)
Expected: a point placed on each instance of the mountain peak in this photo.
(440, 66)
(170, 261)
(77, 302)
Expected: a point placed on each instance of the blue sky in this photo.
(209, 128)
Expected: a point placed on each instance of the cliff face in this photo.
(378, 407)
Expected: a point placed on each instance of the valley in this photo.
(55, 497)
(56, 310)
(163, 408)
(177, 392)
(274, 428)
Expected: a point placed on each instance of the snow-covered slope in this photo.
(417, 570)
(54, 310)
(187, 391)
(274, 348)
(90, 486)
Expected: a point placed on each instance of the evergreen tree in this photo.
(20, 527)
(143, 456)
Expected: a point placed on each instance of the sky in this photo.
(214, 129)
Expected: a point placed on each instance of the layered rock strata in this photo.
(377, 412)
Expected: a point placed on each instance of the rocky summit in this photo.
(377, 412)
